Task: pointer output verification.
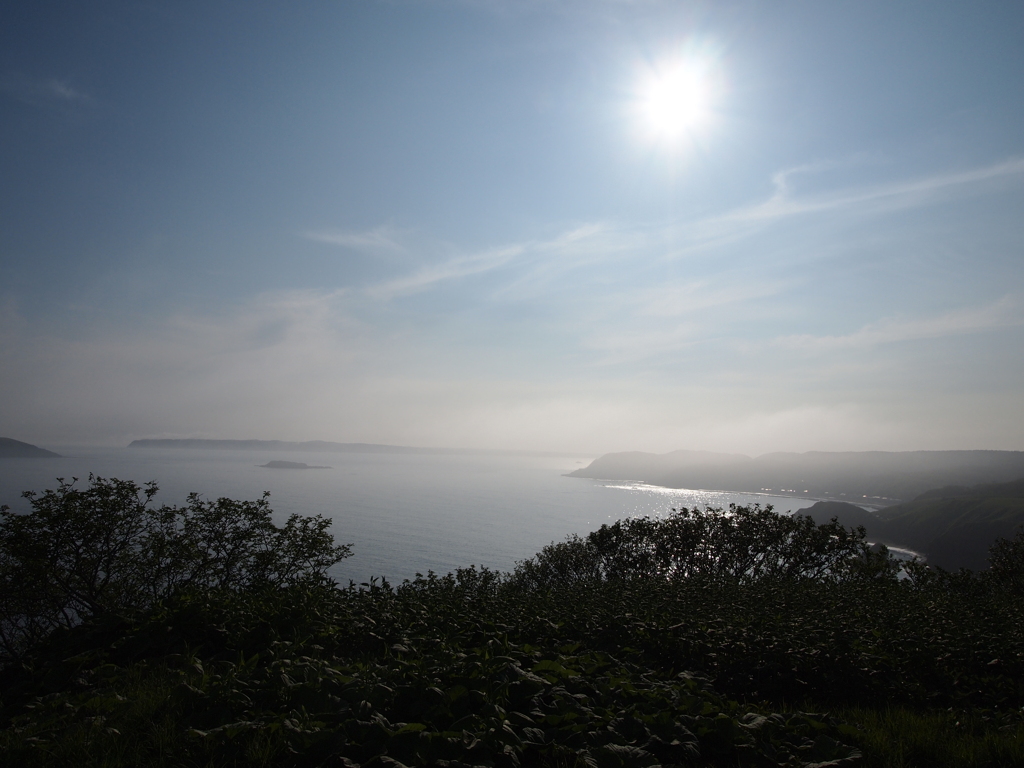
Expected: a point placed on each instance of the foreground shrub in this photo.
(106, 548)
(741, 544)
(1006, 561)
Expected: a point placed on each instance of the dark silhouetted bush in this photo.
(742, 544)
(1006, 563)
(106, 548)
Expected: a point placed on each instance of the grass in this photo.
(900, 737)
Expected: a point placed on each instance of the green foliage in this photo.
(743, 544)
(955, 643)
(1006, 563)
(429, 673)
(610, 651)
(107, 548)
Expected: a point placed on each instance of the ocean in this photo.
(403, 513)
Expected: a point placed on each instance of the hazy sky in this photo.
(583, 226)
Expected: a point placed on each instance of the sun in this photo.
(676, 101)
(677, 98)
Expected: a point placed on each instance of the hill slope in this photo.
(957, 526)
(954, 526)
(15, 449)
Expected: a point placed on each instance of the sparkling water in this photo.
(403, 513)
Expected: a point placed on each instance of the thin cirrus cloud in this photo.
(64, 91)
(596, 241)
(372, 241)
(1004, 313)
(736, 225)
(583, 246)
(574, 244)
(567, 250)
(896, 195)
(42, 92)
(459, 267)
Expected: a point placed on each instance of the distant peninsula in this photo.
(322, 446)
(310, 446)
(15, 449)
(289, 465)
(878, 478)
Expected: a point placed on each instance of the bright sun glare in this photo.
(677, 99)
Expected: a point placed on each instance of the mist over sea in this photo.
(403, 513)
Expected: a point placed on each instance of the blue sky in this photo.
(458, 224)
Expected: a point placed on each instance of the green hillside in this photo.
(957, 526)
(954, 527)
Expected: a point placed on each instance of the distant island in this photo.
(312, 446)
(15, 449)
(289, 465)
(877, 478)
(322, 446)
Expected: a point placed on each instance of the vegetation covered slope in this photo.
(953, 526)
(957, 526)
(697, 639)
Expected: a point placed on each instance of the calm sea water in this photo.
(403, 513)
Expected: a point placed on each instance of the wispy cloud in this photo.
(42, 92)
(737, 225)
(452, 269)
(567, 250)
(64, 91)
(547, 262)
(899, 194)
(373, 240)
(1001, 314)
